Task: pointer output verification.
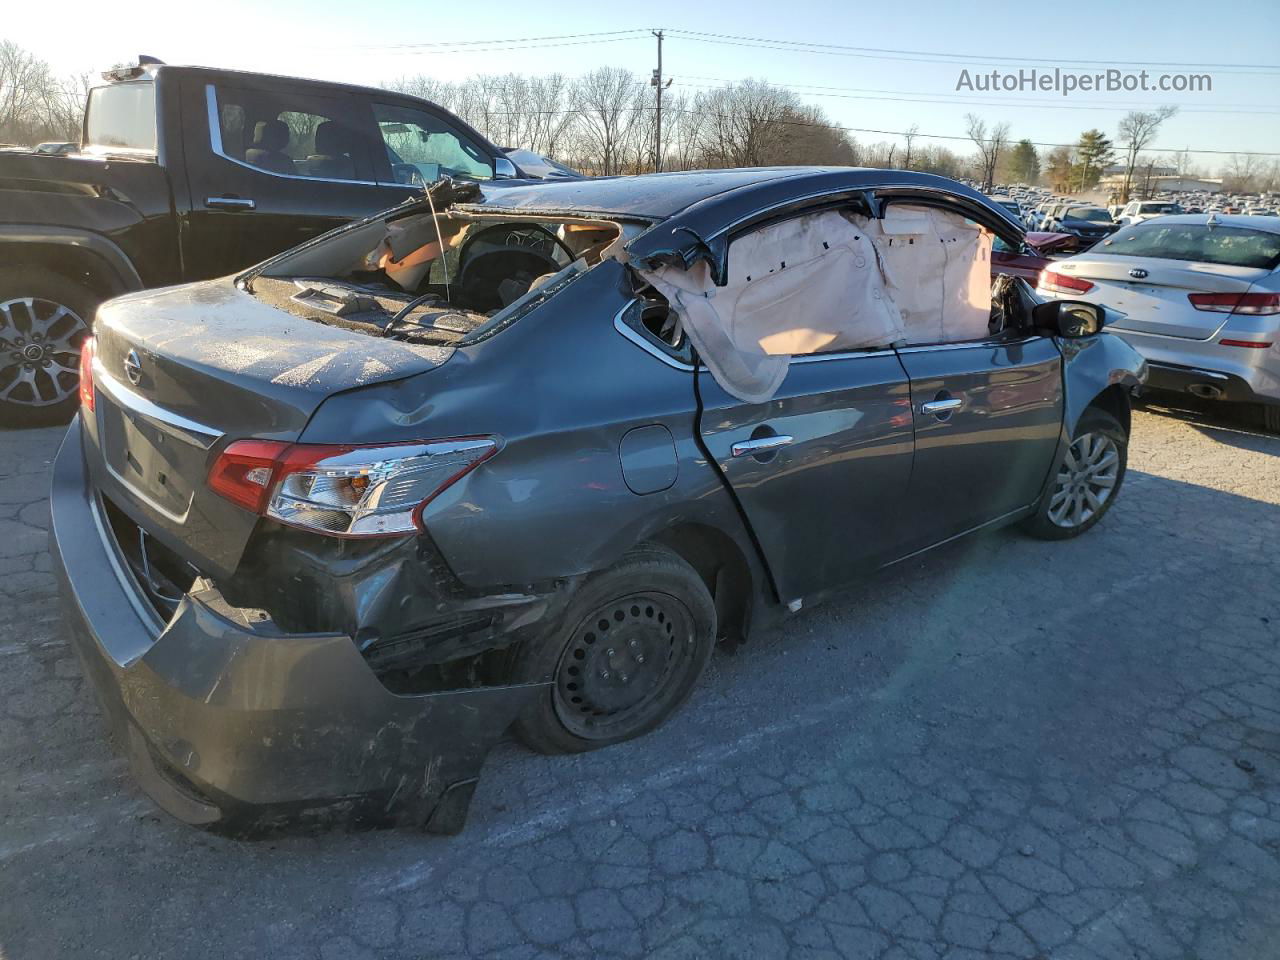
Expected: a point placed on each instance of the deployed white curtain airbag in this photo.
(832, 281)
(938, 270)
(797, 287)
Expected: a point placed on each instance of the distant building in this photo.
(1186, 184)
(1167, 182)
(1117, 170)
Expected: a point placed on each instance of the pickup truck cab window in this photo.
(121, 118)
(287, 133)
(422, 147)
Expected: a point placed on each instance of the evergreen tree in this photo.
(1024, 162)
(1059, 167)
(1093, 153)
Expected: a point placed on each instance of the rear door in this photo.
(988, 417)
(271, 164)
(819, 470)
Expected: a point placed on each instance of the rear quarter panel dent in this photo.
(561, 388)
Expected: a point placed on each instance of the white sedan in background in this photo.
(1201, 301)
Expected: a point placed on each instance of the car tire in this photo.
(44, 319)
(625, 656)
(1270, 417)
(1086, 480)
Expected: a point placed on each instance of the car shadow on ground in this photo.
(1030, 682)
(987, 602)
(1235, 425)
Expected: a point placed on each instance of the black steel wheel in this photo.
(629, 651)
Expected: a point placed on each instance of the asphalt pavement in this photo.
(1007, 748)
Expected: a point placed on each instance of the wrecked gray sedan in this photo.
(518, 457)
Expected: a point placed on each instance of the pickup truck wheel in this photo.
(628, 652)
(1087, 481)
(44, 318)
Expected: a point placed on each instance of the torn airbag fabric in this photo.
(832, 281)
(938, 269)
(801, 286)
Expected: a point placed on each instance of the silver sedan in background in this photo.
(1201, 299)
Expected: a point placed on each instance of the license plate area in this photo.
(149, 460)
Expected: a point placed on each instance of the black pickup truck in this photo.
(187, 173)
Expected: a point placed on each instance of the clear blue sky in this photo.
(366, 42)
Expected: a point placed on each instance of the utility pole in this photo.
(656, 82)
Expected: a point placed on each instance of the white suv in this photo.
(1139, 210)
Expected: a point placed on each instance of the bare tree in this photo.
(683, 130)
(909, 136)
(605, 102)
(1242, 173)
(1137, 130)
(24, 82)
(747, 121)
(62, 106)
(990, 146)
(35, 104)
(1180, 160)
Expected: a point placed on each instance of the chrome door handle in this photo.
(230, 203)
(939, 407)
(747, 448)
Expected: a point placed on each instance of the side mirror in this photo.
(1071, 319)
(504, 169)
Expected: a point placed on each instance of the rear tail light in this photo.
(1060, 283)
(1252, 304)
(87, 350)
(243, 472)
(345, 491)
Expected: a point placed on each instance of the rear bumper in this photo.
(1242, 375)
(1207, 384)
(243, 730)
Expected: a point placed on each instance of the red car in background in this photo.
(1034, 257)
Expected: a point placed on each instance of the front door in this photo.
(988, 417)
(820, 470)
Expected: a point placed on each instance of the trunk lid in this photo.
(1155, 299)
(182, 372)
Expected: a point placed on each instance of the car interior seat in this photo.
(270, 137)
(330, 157)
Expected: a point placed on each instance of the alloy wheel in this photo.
(1085, 480)
(39, 351)
(622, 664)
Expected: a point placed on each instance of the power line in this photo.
(806, 88)
(575, 39)
(943, 136)
(885, 133)
(496, 42)
(994, 103)
(880, 53)
(529, 46)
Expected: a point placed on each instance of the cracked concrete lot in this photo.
(1006, 749)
